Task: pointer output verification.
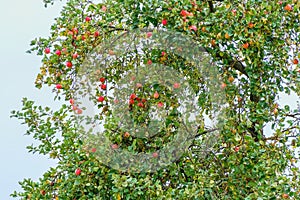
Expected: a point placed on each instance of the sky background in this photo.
(21, 21)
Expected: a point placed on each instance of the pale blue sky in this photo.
(20, 22)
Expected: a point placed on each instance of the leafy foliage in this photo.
(255, 45)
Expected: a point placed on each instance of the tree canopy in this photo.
(248, 54)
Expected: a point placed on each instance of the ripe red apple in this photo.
(77, 171)
(234, 12)
(58, 52)
(139, 85)
(164, 22)
(236, 149)
(280, 2)
(101, 99)
(149, 62)
(176, 85)
(69, 64)
(103, 8)
(251, 25)
(47, 50)
(144, 100)
(160, 104)
(126, 134)
(132, 96)
(288, 7)
(75, 55)
(246, 45)
(103, 87)
(43, 192)
(102, 79)
(183, 13)
(295, 61)
(58, 86)
(285, 196)
(140, 104)
(223, 85)
(93, 150)
(82, 37)
(155, 155)
(64, 50)
(131, 101)
(72, 101)
(74, 107)
(96, 34)
(87, 19)
(79, 111)
(156, 95)
(149, 34)
(193, 28)
(114, 146)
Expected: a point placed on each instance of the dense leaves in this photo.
(255, 47)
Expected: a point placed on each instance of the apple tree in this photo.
(252, 48)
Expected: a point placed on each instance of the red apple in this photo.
(82, 37)
(79, 111)
(43, 192)
(75, 55)
(93, 150)
(160, 104)
(131, 101)
(72, 101)
(140, 104)
(96, 34)
(295, 61)
(193, 28)
(47, 50)
(64, 50)
(77, 171)
(176, 85)
(183, 13)
(234, 12)
(155, 155)
(126, 134)
(103, 8)
(149, 34)
(163, 53)
(114, 146)
(58, 52)
(246, 45)
(288, 7)
(132, 96)
(58, 86)
(101, 99)
(139, 85)
(236, 149)
(87, 19)
(156, 95)
(223, 85)
(144, 100)
(149, 62)
(69, 64)
(103, 87)
(285, 196)
(164, 22)
(102, 79)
